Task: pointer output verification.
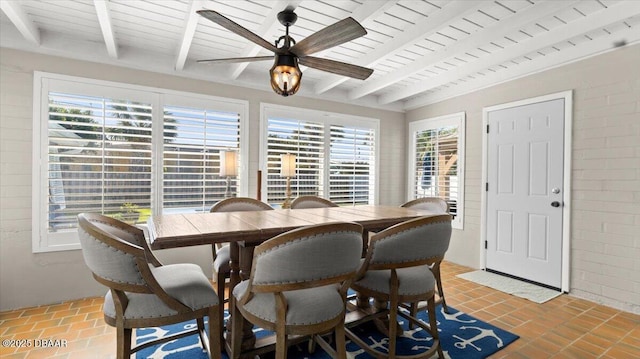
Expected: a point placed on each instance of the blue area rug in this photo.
(461, 336)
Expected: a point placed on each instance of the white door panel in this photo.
(525, 176)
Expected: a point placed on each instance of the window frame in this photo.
(455, 119)
(44, 83)
(327, 119)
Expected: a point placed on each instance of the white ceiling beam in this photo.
(421, 30)
(104, 18)
(189, 30)
(599, 45)
(614, 13)
(266, 30)
(496, 31)
(21, 21)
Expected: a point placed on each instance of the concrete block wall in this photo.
(28, 279)
(606, 180)
(605, 217)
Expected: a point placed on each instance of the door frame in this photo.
(566, 196)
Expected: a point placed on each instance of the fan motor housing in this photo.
(287, 17)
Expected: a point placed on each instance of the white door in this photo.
(524, 191)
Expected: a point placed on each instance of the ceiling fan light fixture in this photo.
(285, 75)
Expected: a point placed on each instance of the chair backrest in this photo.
(307, 257)
(113, 250)
(419, 241)
(238, 204)
(311, 202)
(431, 204)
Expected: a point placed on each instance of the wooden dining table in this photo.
(247, 229)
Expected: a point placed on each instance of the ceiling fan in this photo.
(285, 73)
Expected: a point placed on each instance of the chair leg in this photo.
(220, 285)
(281, 344)
(433, 324)
(413, 311)
(341, 344)
(123, 342)
(215, 343)
(393, 327)
(236, 330)
(436, 274)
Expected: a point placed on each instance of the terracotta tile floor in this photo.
(564, 327)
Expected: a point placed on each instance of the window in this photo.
(335, 155)
(126, 152)
(351, 170)
(194, 140)
(436, 167)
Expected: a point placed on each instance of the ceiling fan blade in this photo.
(332, 35)
(336, 67)
(238, 59)
(236, 28)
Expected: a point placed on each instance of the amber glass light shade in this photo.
(285, 75)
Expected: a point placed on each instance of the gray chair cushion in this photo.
(431, 204)
(108, 262)
(413, 244)
(413, 281)
(239, 204)
(305, 306)
(140, 306)
(221, 264)
(184, 282)
(311, 202)
(309, 258)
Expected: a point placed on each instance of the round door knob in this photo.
(555, 204)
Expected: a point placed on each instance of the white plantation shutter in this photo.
(127, 152)
(352, 169)
(335, 155)
(193, 142)
(436, 161)
(306, 141)
(99, 158)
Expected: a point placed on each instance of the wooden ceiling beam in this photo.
(21, 21)
(498, 30)
(597, 46)
(104, 18)
(420, 30)
(614, 13)
(189, 30)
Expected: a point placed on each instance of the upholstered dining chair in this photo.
(298, 285)
(396, 270)
(311, 202)
(431, 204)
(434, 205)
(143, 292)
(221, 252)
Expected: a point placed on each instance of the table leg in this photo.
(365, 243)
(383, 323)
(240, 263)
(234, 263)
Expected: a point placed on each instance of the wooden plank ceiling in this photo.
(422, 51)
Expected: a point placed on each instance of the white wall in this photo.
(605, 220)
(28, 279)
(605, 239)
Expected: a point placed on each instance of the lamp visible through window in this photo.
(228, 168)
(288, 170)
